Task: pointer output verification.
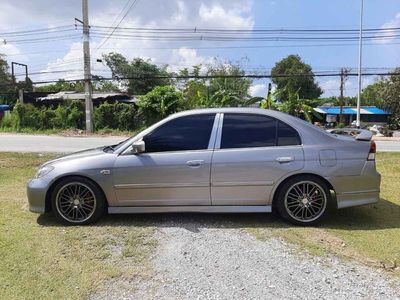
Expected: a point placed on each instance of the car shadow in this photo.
(382, 215)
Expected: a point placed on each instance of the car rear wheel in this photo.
(304, 200)
(77, 201)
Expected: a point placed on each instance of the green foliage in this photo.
(306, 86)
(8, 94)
(61, 85)
(160, 102)
(70, 115)
(116, 116)
(372, 95)
(297, 107)
(228, 91)
(137, 69)
(391, 99)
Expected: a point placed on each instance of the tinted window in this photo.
(241, 131)
(287, 135)
(185, 133)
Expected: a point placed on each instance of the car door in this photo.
(253, 152)
(175, 167)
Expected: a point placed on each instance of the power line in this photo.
(115, 28)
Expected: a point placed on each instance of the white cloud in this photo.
(394, 23)
(216, 15)
(178, 13)
(258, 90)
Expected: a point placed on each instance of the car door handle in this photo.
(195, 163)
(284, 159)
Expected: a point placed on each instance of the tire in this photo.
(77, 201)
(304, 200)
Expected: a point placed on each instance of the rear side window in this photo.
(287, 135)
(181, 134)
(250, 130)
(244, 130)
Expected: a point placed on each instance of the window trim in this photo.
(221, 123)
(211, 140)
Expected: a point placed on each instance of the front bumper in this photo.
(36, 192)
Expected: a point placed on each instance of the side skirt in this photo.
(194, 209)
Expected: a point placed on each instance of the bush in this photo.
(116, 116)
(71, 115)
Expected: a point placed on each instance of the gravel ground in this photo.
(198, 261)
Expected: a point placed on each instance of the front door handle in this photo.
(195, 163)
(284, 159)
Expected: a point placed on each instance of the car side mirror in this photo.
(138, 147)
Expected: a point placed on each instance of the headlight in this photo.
(44, 171)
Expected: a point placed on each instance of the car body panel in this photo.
(235, 178)
(164, 178)
(246, 176)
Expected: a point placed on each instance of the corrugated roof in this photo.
(364, 110)
(67, 95)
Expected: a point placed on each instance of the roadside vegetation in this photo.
(161, 92)
(369, 234)
(42, 260)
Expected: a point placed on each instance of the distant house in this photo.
(98, 97)
(4, 109)
(369, 115)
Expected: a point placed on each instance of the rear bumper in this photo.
(358, 190)
(357, 198)
(36, 192)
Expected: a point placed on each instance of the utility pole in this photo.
(358, 123)
(86, 67)
(343, 77)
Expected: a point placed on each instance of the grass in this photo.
(369, 234)
(40, 259)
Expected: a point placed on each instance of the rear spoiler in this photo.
(358, 134)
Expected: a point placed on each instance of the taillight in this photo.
(372, 151)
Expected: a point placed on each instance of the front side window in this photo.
(250, 130)
(181, 134)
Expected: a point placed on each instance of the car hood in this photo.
(78, 155)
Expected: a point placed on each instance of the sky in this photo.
(54, 58)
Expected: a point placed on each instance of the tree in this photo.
(8, 94)
(297, 107)
(391, 98)
(305, 86)
(232, 90)
(61, 85)
(143, 72)
(160, 102)
(372, 95)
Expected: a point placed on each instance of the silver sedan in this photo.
(227, 160)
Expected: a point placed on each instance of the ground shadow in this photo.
(382, 215)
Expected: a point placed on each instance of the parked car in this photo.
(225, 160)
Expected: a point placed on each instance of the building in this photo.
(369, 115)
(41, 98)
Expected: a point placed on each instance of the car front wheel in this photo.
(304, 200)
(77, 201)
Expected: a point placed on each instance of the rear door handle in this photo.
(195, 163)
(284, 159)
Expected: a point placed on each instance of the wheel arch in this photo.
(282, 182)
(48, 206)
